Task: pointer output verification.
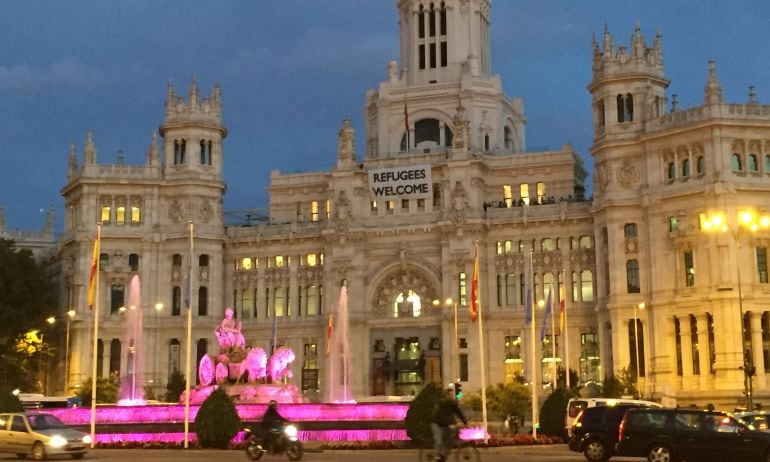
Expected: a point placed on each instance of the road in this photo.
(554, 453)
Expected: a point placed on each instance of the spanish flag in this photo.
(475, 287)
(329, 326)
(94, 270)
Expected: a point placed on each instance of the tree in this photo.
(175, 386)
(106, 391)
(574, 379)
(420, 411)
(553, 411)
(27, 297)
(503, 399)
(217, 421)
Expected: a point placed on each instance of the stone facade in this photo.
(441, 112)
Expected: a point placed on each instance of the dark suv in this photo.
(595, 431)
(663, 435)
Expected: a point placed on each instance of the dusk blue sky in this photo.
(291, 70)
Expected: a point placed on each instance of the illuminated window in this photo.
(246, 263)
(547, 245)
(373, 206)
(499, 248)
(314, 216)
(311, 309)
(106, 213)
(463, 289)
(328, 208)
(279, 262)
(120, 215)
(524, 193)
(587, 285)
(136, 215)
(689, 268)
(507, 195)
(508, 246)
(312, 259)
(762, 264)
(541, 192)
(409, 306)
(585, 242)
(632, 277)
(390, 206)
(280, 302)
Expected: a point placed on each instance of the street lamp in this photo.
(636, 339)
(455, 349)
(749, 221)
(70, 315)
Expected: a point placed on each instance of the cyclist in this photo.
(443, 418)
(272, 422)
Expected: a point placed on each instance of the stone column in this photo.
(686, 343)
(760, 380)
(704, 357)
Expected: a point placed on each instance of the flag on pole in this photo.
(546, 315)
(329, 335)
(562, 307)
(475, 288)
(528, 307)
(94, 270)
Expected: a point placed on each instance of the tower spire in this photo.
(72, 162)
(153, 155)
(170, 98)
(89, 154)
(712, 94)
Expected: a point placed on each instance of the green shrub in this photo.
(553, 411)
(217, 421)
(106, 391)
(175, 386)
(420, 411)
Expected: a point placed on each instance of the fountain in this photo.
(338, 357)
(131, 387)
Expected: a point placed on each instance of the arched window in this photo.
(176, 260)
(115, 357)
(600, 114)
(203, 260)
(686, 168)
(201, 348)
(428, 134)
(632, 277)
(736, 163)
(486, 142)
(629, 230)
(407, 307)
(117, 297)
(585, 242)
(671, 171)
(176, 301)
(174, 355)
(625, 107)
(180, 148)
(133, 262)
(752, 163)
(700, 165)
(767, 163)
(546, 245)
(205, 146)
(203, 301)
(587, 285)
(507, 138)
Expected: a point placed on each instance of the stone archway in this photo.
(401, 286)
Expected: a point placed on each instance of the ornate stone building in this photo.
(445, 165)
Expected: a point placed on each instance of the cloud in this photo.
(65, 74)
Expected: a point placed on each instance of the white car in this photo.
(759, 420)
(40, 436)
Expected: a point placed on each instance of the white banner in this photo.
(413, 182)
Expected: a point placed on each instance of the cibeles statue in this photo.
(229, 334)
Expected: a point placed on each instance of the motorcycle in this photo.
(284, 441)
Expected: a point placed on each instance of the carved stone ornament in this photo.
(206, 212)
(464, 7)
(628, 174)
(175, 211)
(401, 281)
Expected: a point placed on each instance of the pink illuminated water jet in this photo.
(131, 386)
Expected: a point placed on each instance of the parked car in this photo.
(595, 430)
(760, 420)
(575, 405)
(663, 435)
(40, 436)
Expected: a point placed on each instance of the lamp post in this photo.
(456, 347)
(70, 315)
(749, 221)
(636, 339)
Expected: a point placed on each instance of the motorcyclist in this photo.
(272, 423)
(443, 418)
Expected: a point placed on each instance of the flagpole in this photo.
(95, 308)
(553, 342)
(532, 361)
(189, 343)
(481, 345)
(565, 331)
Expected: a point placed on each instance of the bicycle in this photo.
(458, 450)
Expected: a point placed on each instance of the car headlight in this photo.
(57, 441)
(87, 439)
(291, 432)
